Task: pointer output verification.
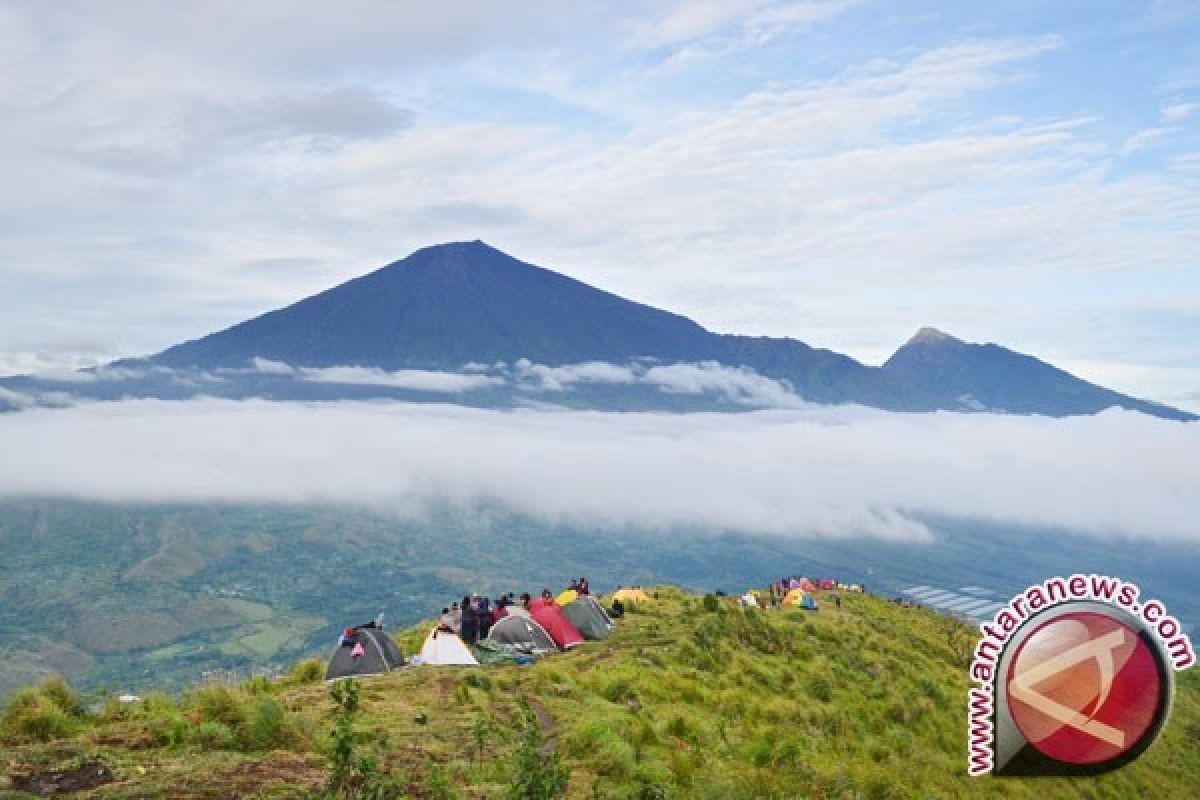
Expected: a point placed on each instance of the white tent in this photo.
(444, 648)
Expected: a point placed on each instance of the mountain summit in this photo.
(466, 303)
(443, 307)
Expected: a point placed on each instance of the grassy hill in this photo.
(863, 702)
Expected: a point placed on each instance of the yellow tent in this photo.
(795, 597)
(567, 596)
(631, 596)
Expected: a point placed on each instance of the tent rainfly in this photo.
(369, 651)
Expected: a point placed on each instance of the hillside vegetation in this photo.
(687, 699)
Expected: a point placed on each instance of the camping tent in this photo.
(749, 599)
(551, 618)
(807, 585)
(369, 651)
(522, 633)
(798, 597)
(825, 583)
(566, 596)
(444, 648)
(588, 617)
(631, 596)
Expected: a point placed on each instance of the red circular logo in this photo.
(1083, 688)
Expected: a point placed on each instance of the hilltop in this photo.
(682, 702)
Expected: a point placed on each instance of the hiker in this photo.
(483, 614)
(547, 598)
(583, 586)
(573, 586)
(446, 622)
(526, 601)
(501, 609)
(470, 622)
(455, 617)
(837, 599)
(618, 608)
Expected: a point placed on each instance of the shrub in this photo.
(219, 703)
(60, 693)
(268, 729)
(31, 715)
(304, 672)
(259, 684)
(213, 735)
(711, 604)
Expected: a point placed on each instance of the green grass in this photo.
(865, 702)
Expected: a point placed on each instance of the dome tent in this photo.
(522, 633)
(551, 618)
(588, 617)
(363, 651)
(444, 648)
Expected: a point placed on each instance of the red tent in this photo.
(807, 585)
(550, 617)
(826, 583)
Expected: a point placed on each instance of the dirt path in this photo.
(546, 723)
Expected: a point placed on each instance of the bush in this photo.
(211, 735)
(268, 729)
(60, 693)
(304, 672)
(219, 703)
(711, 604)
(821, 688)
(32, 715)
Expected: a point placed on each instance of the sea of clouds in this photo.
(811, 471)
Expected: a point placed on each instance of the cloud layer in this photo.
(838, 471)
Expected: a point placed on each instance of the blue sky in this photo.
(842, 172)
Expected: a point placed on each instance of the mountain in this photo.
(687, 698)
(955, 374)
(465, 303)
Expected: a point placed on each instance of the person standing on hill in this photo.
(483, 616)
(470, 624)
(583, 586)
(526, 601)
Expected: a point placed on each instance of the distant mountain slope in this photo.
(445, 306)
(455, 304)
(955, 374)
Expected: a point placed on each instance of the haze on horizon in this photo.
(839, 171)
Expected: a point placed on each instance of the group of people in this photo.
(473, 618)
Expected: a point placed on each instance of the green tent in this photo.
(588, 617)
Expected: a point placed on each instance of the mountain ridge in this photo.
(450, 305)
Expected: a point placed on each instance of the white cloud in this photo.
(839, 471)
(736, 384)
(1178, 112)
(558, 378)
(416, 379)
(739, 384)
(1143, 139)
